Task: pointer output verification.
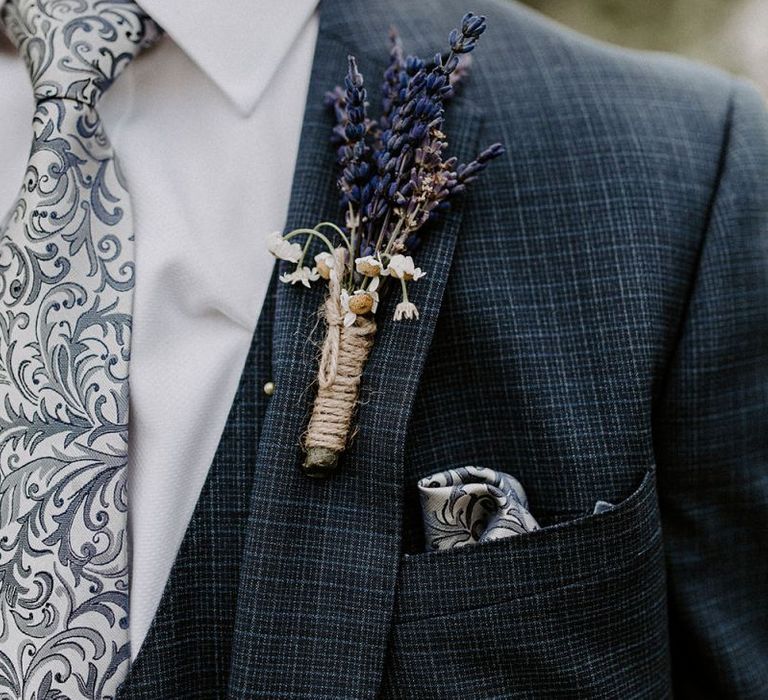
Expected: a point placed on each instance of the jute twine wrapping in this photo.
(344, 354)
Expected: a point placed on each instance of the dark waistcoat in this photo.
(188, 649)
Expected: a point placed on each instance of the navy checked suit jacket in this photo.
(595, 322)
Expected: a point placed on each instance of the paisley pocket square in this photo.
(472, 505)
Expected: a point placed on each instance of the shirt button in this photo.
(269, 388)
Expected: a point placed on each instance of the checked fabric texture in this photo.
(66, 293)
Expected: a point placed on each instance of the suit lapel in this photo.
(321, 557)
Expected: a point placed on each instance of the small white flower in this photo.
(282, 249)
(349, 316)
(373, 292)
(403, 267)
(359, 303)
(305, 275)
(324, 264)
(369, 266)
(405, 309)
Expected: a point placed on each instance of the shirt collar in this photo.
(239, 44)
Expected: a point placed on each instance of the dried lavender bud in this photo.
(395, 79)
(465, 40)
(472, 25)
(413, 65)
(469, 172)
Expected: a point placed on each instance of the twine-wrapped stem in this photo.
(344, 354)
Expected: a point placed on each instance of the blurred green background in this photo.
(730, 33)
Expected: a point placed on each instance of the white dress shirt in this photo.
(206, 127)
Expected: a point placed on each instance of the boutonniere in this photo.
(395, 180)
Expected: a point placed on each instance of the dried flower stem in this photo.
(345, 352)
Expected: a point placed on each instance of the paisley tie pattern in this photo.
(472, 505)
(66, 293)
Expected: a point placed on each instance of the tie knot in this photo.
(76, 49)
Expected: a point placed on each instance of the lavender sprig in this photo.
(469, 172)
(395, 80)
(415, 123)
(354, 154)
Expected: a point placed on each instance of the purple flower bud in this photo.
(413, 65)
(417, 132)
(472, 25)
(354, 78)
(451, 64)
(354, 131)
(493, 151)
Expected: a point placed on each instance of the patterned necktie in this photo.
(66, 293)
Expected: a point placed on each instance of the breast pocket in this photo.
(576, 610)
